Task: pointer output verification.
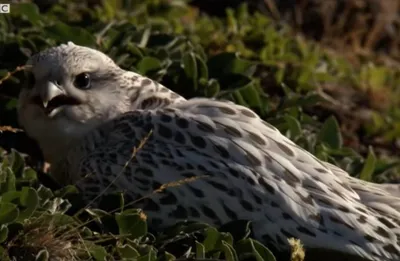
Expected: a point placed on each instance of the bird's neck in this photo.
(54, 150)
(56, 145)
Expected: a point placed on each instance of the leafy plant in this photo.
(244, 57)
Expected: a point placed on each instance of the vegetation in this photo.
(342, 109)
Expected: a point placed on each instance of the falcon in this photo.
(87, 115)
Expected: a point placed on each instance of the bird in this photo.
(87, 115)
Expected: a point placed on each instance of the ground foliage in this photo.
(343, 112)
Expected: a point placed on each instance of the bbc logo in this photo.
(4, 8)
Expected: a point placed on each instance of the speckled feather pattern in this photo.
(253, 171)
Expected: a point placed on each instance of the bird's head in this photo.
(71, 89)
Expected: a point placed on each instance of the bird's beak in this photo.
(50, 92)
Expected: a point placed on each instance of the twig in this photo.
(9, 74)
(9, 129)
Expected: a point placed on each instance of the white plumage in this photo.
(87, 132)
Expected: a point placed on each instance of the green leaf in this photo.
(212, 88)
(97, 214)
(17, 163)
(200, 250)
(202, 68)
(43, 255)
(148, 64)
(229, 63)
(382, 166)
(63, 33)
(29, 174)
(294, 126)
(132, 223)
(257, 250)
(330, 133)
(30, 200)
(66, 191)
(238, 98)
(300, 101)
(28, 11)
(11, 104)
(127, 251)
(44, 193)
(8, 212)
(369, 166)
(231, 21)
(9, 182)
(98, 252)
(135, 50)
(251, 95)
(61, 219)
(229, 252)
(189, 65)
(168, 257)
(86, 232)
(3, 233)
(211, 240)
(151, 256)
(263, 251)
(110, 8)
(227, 237)
(234, 82)
(11, 196)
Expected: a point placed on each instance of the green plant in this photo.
(243, 57)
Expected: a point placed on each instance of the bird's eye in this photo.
(82, 81)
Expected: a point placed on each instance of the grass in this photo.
(341, 106)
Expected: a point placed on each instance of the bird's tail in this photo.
(384, 198)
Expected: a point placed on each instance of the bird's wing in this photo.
(254, 173)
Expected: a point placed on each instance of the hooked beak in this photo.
(54, 98)
(50, 92)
